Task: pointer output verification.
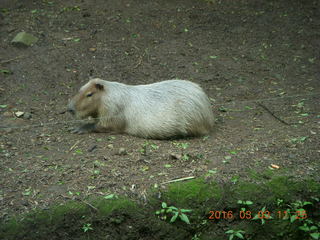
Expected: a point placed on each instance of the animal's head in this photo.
(88, 100)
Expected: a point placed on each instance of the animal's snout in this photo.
(71, 111)
(71, 108)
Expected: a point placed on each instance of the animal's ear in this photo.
(99, 86)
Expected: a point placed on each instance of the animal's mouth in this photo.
(71, 111)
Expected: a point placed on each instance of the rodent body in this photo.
(172, 108)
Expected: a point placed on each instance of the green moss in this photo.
(198, 195)
(192, 192)
(289, 189)
(311, 186)
(43, 221)
(107, 206)
(281, 187)
(58, 212)
(11, 228)
(246, 191)
(268, 191)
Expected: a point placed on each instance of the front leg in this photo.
(86, 128)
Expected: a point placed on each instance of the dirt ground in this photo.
(257, 60)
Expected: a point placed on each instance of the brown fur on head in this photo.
(88, 100)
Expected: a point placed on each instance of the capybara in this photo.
(162, 110)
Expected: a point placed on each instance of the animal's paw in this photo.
(87, 128)
(78, 130)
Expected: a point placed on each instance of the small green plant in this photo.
(154, 146)
(185, 157)
(110, 138)
(147, 145)
(27, 192)
(296, 211)
(279, 202)
(298, 140)
(196, 236)
(262, 215)
(110, 196)
(181, 145)
(223, 109)
(72, 8)
(226, 159)
(244, 203)
(74, 193)
(311, 228)
(174, 212)
(96, 172)
(5, 71)
(205, 138)
(87, 227)
(78, 151)
(235, 179)
(235, 233)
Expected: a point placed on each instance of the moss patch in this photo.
(191, 193)
(120, 218)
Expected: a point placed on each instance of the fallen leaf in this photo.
(275, 166)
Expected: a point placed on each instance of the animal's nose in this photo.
(70, 108)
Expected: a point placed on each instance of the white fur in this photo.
(159, 110)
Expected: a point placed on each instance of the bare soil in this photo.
(257, 60)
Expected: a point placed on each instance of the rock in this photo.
(176, 156)
(24, 39)
(92, 148)
(24, 203)
(27, 115)
(122, 151)
(19, 114)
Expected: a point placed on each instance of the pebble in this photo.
(19, 114)
(122, 151)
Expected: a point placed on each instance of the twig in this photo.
(272, 114)
(74, 145)
(90, 205)
(140, 60)
(179, 180)
(12, 59)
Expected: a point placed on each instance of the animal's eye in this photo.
(89, 94)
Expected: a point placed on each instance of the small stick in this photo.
(74, 145)
(10, 60)
(140, 60)
(272, 114)
(90, 205)
(179, 180)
